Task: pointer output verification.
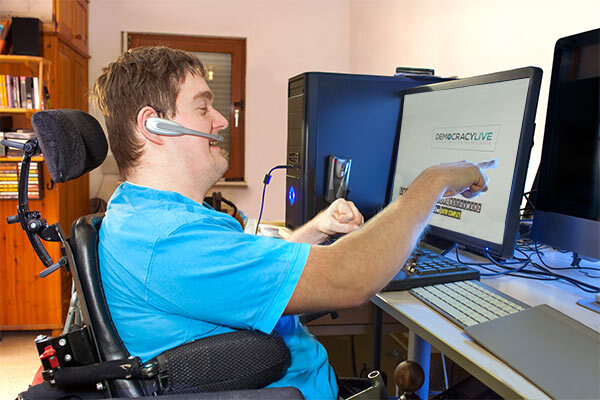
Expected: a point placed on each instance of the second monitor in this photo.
(474, 119)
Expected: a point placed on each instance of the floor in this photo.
(19, 362)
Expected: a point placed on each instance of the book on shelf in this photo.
(9, 181)
(18, 136)
(16, 91)
(3, 97)
(3, 91)
(23, 91)
(9, 91)
(20, 92)
(29, 93)
(36, 93)
(25, 134)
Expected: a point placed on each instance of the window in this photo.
(225, 63)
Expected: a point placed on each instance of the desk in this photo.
(423, 322)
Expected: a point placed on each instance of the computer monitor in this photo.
(474, 119)
(567, 204)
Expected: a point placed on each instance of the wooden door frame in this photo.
(211, 44)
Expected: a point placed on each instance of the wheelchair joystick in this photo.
(409, 378)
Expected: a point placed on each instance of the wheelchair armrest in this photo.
(229, 361)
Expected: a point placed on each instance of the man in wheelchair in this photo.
(174, 270)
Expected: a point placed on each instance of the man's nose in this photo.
(219, 122)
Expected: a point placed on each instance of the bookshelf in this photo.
(28, 302)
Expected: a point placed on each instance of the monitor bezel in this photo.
(505, 249)
(551, 226)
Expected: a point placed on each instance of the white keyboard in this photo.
(468, 303)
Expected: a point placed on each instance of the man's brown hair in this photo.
(143, 76)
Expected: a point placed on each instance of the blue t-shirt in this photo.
(174, 271)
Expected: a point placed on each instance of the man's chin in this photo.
(223, 167)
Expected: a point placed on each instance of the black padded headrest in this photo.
(72, 142)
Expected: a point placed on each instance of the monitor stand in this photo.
(593, 305)
(437, 244)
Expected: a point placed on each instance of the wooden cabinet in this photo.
(80, 22)
(80, 78)
(72, 23)
(63, 15)
(26, 300)
(69, 81)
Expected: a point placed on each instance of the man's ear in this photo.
(145, 113)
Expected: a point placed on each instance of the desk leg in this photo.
(420, 351)
(377, 315)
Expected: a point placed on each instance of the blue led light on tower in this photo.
(292, 195)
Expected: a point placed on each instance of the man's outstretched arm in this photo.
(348, 272)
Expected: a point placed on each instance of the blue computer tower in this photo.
(345, 115)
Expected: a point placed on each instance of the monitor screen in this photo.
(568, 191)
(475, 119)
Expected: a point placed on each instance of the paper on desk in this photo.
(267, 229)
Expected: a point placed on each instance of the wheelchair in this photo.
(89, 360)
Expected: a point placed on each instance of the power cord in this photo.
(266, 181)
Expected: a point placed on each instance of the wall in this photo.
(41, 9)
(284, 38)
(467, 38)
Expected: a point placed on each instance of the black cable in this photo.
(266, 181)
(581, 285)
(507, 271)
(586, 287)
(544, 274)
(526, 196)
(499, 273)
(576, 268)
(529, 206)
(524, 276)
(447, 250)
(477, 263)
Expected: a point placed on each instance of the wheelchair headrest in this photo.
(72, 142)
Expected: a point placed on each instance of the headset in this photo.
(166, 127)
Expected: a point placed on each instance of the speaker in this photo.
(26, 36)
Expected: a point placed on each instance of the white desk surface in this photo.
(453, 342)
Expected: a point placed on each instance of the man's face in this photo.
(194, 110)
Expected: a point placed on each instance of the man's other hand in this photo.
(341, 216)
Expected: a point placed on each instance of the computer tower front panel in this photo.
(296, 179)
